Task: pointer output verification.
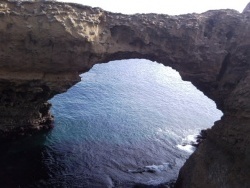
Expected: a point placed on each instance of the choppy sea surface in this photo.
(123, 124)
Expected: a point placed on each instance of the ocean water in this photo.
(123, 124)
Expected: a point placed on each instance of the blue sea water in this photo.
(123, 124)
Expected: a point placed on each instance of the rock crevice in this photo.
(46, 45)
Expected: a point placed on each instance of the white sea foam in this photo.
(187, 143)
(187, 148)
(152, 168)
(157, 168)
(192, 138)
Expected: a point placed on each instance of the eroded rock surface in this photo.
(45, 46)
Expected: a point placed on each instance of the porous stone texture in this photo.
(44, 46)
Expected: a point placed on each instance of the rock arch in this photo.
(44, 47)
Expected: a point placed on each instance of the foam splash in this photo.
(188, 144)
(152, 168)
(187, 148)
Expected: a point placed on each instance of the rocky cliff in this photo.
(45, 46)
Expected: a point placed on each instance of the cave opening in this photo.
(126, 123)
(135, 120)
(109, 139)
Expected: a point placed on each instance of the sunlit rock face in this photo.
(45, 46)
